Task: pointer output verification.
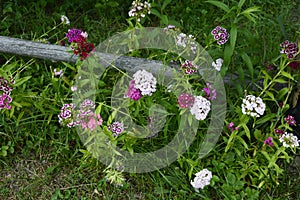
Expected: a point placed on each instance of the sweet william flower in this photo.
(253, 106)
(200, 108)
(65, 20)
(201, 179)
(289, 140)
(186, 100)
(218, 64)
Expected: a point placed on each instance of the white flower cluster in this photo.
(139, 9)
(289, 140)
(200, 108)
(145, 82)
(183, 40)
(253, 106)
(218, 64)
(202, 179)
(65, 20)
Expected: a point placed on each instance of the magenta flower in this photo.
(294, 65)
(5, 91)
(232, 127)
(269, 142)
(186, 100)
(210, 92)
(220, 34)
(132, 92)
(290, 120)
(74, 35)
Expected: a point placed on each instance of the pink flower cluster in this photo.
(132, 92)
(85, 117)
(5, 90)
(189, 67)
(290, 49)
(80, 46)
(231, 127)
(220, 34)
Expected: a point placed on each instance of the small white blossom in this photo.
(289, 140)
(202, 179)
(65, 20)
(183, 41)
(139, 9)
(218, 64)
(84, 34)
(73, 88)
(58, 73)
(200, 108)
(253, 106)
(145, 82)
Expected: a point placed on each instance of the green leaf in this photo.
(233, 35)
(266, 118)
(156, 13)
(286, 74)
(241, 3)
(228, 51)
(247, 131)
(166, 2)
(248, 62)
(21, 81)
(220, 5)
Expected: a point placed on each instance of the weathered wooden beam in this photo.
(61, 53)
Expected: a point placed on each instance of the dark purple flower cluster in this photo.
(189, 67)
(186, 100)
(5, 91)
(220, 34)
(80, 46)
(132, 92)
(116, 128)
(290, 49)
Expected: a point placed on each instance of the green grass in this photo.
(46, 162)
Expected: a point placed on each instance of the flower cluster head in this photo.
(289, 140)
(210, 92)
(290, 120)
(116, 127)
(289, 48)
(84, 116)
(232, 127)
(90, 121)
(139, 9)
(5, 91)
(218, 64)
(132, 92)
(253, 106)
(183, 41)
(200, 108)
(201, 180)
(220, 34)
(269, 142)
(80, 46)
(65, 20)
(294, 65)
(189, 67)
(145, 82)
(114, 177)
(186, 100)
(68, 115)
